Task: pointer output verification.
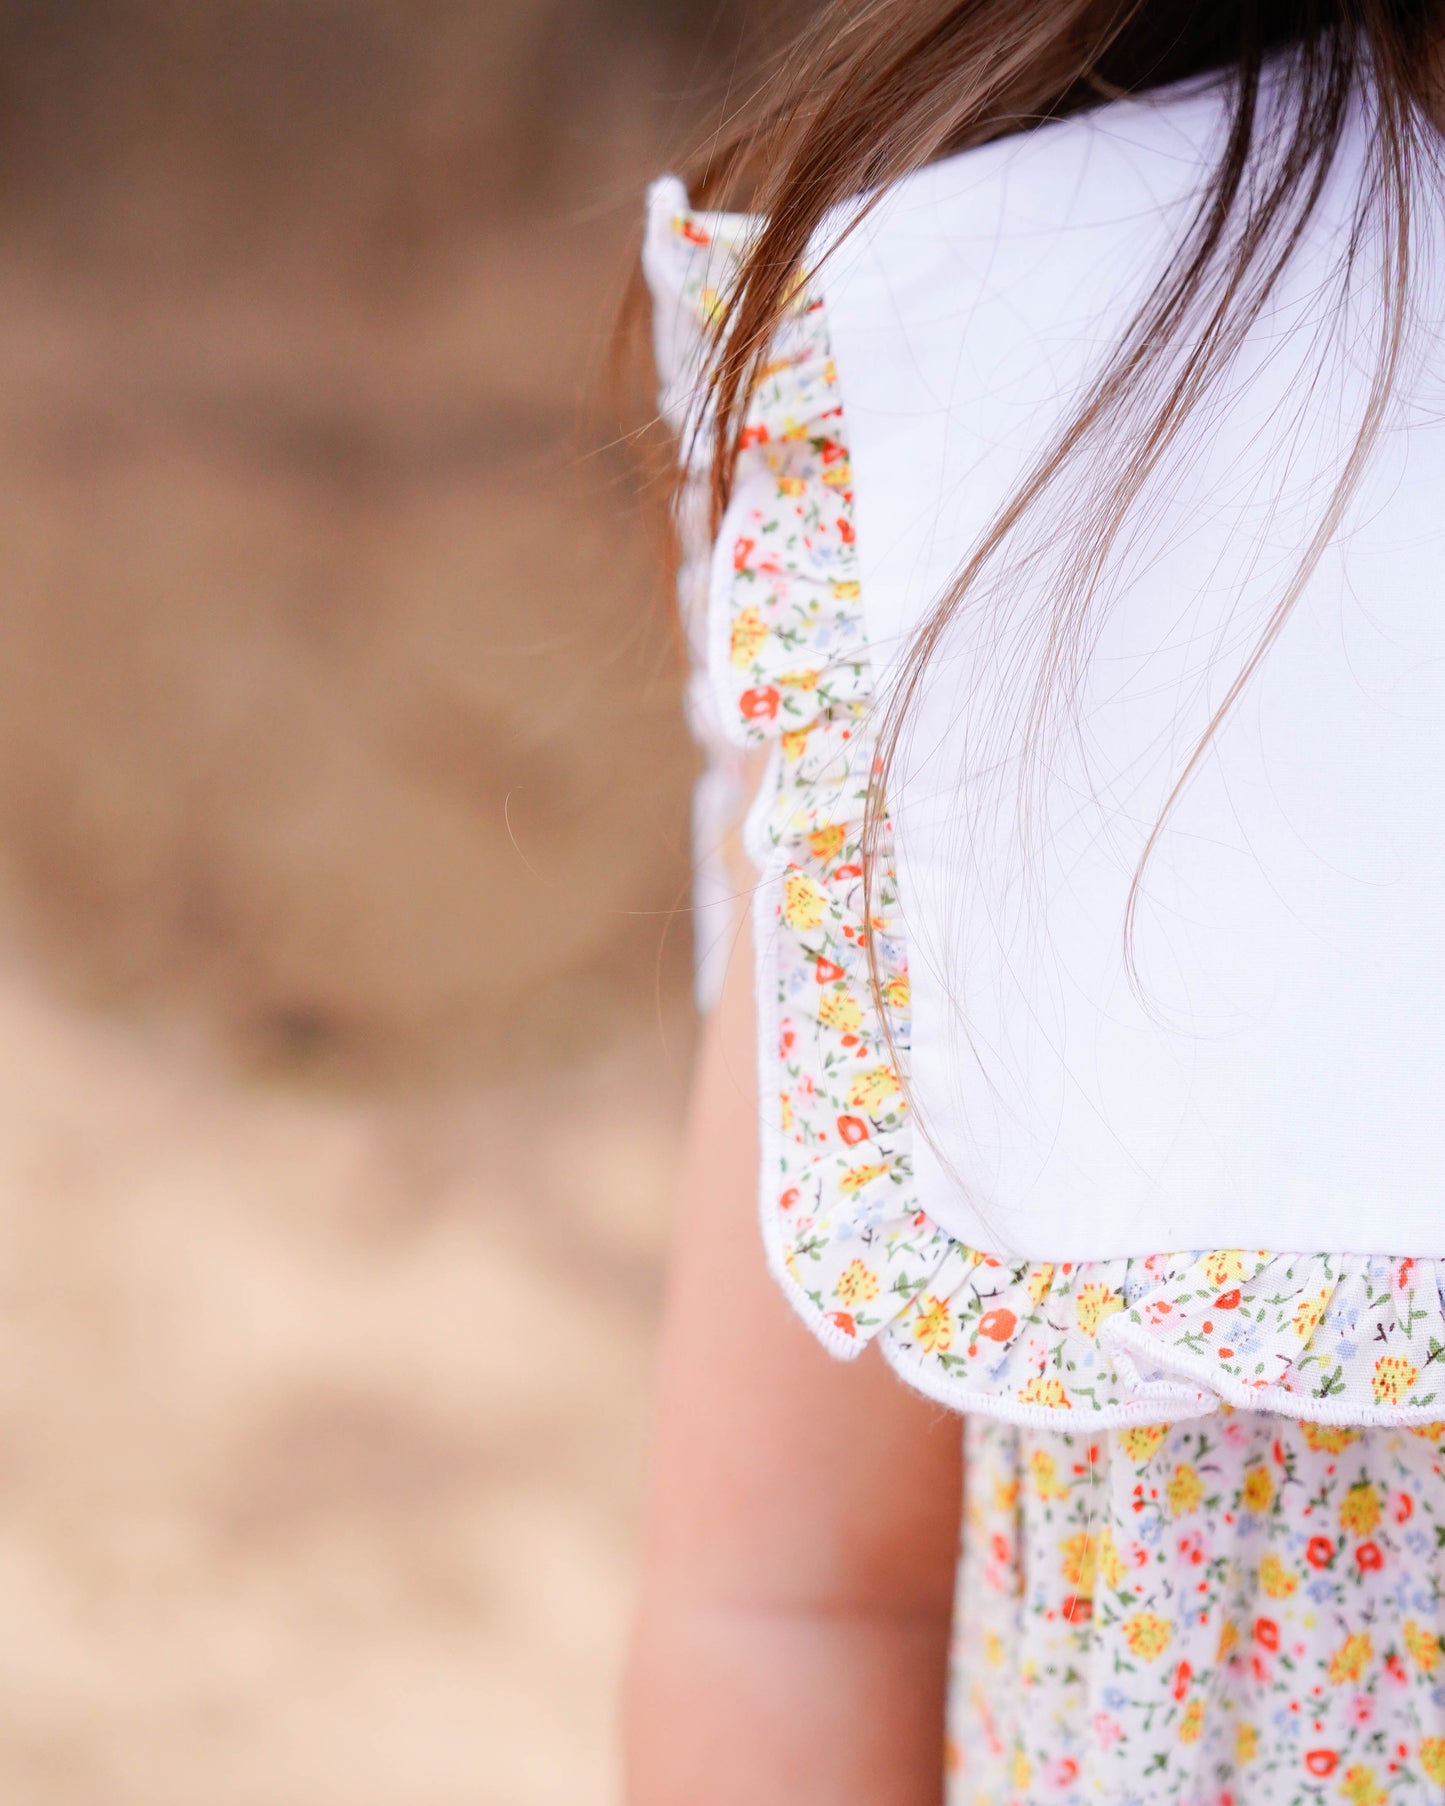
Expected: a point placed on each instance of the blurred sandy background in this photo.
(343, 1031)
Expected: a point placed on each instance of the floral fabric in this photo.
(1244, 1609)
(1202, 1550)
(775, 614)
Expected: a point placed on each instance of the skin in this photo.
(791, 1641)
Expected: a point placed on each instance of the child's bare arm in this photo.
(792, 1639)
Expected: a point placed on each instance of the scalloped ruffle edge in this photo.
(774, 612)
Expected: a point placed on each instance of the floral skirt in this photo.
(1239, 1610)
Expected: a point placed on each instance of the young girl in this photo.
(1063, 515)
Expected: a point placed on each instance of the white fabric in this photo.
(1276, 1079)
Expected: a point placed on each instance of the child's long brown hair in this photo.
(877, 88)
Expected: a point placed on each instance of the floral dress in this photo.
(1204, 1535)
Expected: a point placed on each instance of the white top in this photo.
(1276, 1077)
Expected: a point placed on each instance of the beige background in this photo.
(343, 1006)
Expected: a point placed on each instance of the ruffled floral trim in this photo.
(1334, 1339)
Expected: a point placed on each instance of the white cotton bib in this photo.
(1273, 1074)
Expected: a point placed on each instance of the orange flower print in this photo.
(1432, 1758)
(997, 1325)
(803, 902)
(1045, 1391)
(827, 843)
(1185, 1490)
(1224, 1267)
(1360, 1508)
(933, 1326)
(1095, 1303)
(1140, 1442)
(748, 633)
(1360, 1787)
(1351, 1659)
(859, 1176)
(1045, 1472)
(870, 1091)
(1148, 1635)
(1257, 1493)
(857, 1284)
(852, 1130)
(1191, 1726)
(1328, 1438)
(840, 1010)
(1393, 1378)
(1275, 1579)
(760, 704)
(1423, 1645)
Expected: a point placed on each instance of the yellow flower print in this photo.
(993, 1649)
(1224, 1267)
(1081, 1561)
(1275, 1579)
(1111, 1562)
(859, 1176)
(803, 902)
(933, 1326)
(871, 1090)
(1005, 1495)
(1328, 1438)
(1423, 1645)
(1047, 1483)
(799, 680)
(857, 1284)
(1351, 1659)
(840, 1010)
(1148, 1635)
(1022, 1772)
(792, 487)
(1432, 1432)
(846, 589)
(1393, 1378)
(1045, 1391)
(749, 630)
(795, 742)
(1191, 1726)
(1360, 1787)
(1360, 1509)
(1095, 1303)
(1258, 1489)
(1309, 1313)
(839, 475)
(896, 992)
(1141, 1442)
(827, 843)
(785, 1102)
(1246, 1744)
(1185, 1490)
(1432, 1758)
(1228, 1640)
(1040, 1279)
